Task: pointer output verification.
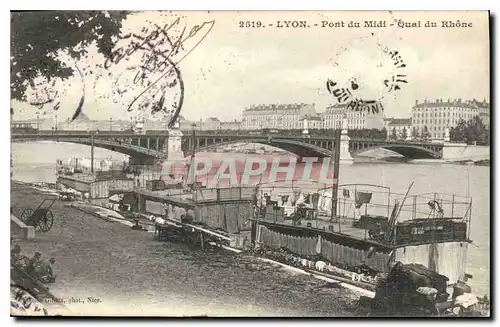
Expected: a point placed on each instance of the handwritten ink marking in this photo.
(78, 110)
(398, 61)
(394, 83)
(344, 96)
(163, 62)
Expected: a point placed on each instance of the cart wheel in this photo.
(27, 215)
(46, 221)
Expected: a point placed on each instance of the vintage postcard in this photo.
(250, 163)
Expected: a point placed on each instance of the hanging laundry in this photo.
(315, 200)
(328, 205)
(346, 194)
(362, 198)
(297, 194)
(301, 199)
(321, 200)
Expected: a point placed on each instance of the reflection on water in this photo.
(36, 162)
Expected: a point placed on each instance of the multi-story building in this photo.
(484, 112)
(387, 120)
(80, 123)
(332, 118)
(23, 125)
(312, 122)
(188, 125)
(231, 125)
(401, 127)
(435, 117)
(278, 116)
(211, 124)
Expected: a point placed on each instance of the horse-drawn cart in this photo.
(41, 217)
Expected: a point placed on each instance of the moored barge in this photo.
(396, 245)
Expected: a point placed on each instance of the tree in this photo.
(470, 132)
(425, 133)
(415, 133)
(394, 134)
(383, 134)
(457, 133)
(37, 37)
(404, 133)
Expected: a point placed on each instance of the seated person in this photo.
(45, 272)
(17, 259)
(15, 252)
(33, 262)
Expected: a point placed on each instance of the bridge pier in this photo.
(454, 151)
(173, 153)
(345, 155)
(172, 146)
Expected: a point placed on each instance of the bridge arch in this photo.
(411, 151)
(120, 147)
(297, 147)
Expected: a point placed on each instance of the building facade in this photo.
(211, 124)
(435, 117)
(332, 118)
(188, 125)
(484, 112)
(400, 128)
(80, 123)
(312, 122)
(231, 125)
(276, 116)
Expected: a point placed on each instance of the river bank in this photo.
(442, 178)
(132, 274)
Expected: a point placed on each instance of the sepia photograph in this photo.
(329, 164)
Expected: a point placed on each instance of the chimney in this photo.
(416, 102)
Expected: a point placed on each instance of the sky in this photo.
(232, 67)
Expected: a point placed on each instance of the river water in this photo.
(36, 162)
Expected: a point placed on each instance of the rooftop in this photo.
(451, 103)
(80, 117)
(400, 121)
(276, 107)
(312, 117)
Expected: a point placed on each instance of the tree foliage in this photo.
(425, 133)
(37, 37)
(415, 133)
(394, 134)
(472, 131)
(383, 134)
(368, 133)
(404, 133)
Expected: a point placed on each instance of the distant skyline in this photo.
(233, 67)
